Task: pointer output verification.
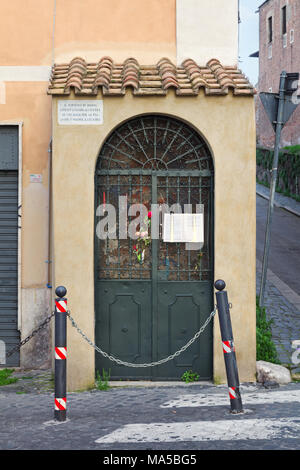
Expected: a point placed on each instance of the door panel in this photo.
(123, 328)
(182, 309)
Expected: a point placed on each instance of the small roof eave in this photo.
(113, 78)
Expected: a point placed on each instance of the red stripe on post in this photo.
(61, 305)
(61, 352)
(60, 404)
(228, 347)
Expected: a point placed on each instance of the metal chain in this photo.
(32, 334)
(151, 364)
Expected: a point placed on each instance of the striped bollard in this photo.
(228, 348)
(60, 389)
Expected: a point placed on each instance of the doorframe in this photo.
(157, 173)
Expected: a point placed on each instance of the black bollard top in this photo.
(220, 285)
(60, 291)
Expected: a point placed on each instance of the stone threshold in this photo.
(149, 383)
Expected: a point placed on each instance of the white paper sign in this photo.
(183, 228)
(80, 112)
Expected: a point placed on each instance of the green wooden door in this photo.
(148, 310)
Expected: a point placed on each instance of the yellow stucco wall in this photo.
(202, 28)
(28, 103)
(40, 31)
(228, 125)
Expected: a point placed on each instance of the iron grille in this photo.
(155, 159)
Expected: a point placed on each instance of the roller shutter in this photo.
(9, 334)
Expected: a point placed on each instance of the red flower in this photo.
(134, 248)
(149, 215)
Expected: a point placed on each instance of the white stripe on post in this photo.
(60, 404)
(60, 353)
(226, 347)
(61, 305)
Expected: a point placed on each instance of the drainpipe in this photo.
(49, 284)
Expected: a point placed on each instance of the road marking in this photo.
(224, 430)
(259, 398)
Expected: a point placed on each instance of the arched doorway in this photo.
(148, 307)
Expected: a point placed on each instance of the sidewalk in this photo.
(284, 202)
(282, 303)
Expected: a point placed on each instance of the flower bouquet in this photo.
(143, 240)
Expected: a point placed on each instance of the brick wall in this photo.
(273, 59)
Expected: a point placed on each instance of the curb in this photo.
(277, 204)
(289, 294)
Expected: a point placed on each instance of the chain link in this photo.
(32, 334)
(151, 364)
(106, 355)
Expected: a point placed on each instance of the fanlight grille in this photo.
(155, 143)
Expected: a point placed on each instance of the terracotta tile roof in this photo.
(87, 78)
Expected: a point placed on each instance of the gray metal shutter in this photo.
(9, 334)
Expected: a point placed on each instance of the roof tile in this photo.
(86, 78)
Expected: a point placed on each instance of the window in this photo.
(270, 51)
(270, 29)
(284, 37)
(283, 20)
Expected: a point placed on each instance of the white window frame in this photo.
(284, 40)
(270, 51)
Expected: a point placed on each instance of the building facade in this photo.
(279, 49)
(110, 100)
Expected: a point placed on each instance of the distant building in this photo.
(279, 49)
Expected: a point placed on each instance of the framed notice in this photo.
(183, 228)
(80, 112)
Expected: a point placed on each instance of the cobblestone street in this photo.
(154, 417)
